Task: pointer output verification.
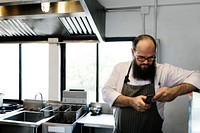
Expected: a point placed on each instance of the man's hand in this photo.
(165, 94)
(138, 103)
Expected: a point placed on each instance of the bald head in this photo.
(145, 43)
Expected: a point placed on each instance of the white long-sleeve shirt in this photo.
(166, 76)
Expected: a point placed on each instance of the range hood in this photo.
(65, 20)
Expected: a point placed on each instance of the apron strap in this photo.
(126, 79)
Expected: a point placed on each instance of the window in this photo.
(111, 53)
(81, 64)
(81, 68)
(9, 71)
(35, 72)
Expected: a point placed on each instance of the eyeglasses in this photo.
(142, 58)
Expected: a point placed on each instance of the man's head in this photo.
(144, 52)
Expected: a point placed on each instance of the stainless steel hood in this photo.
(65, 20)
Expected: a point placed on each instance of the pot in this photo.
(95, 108)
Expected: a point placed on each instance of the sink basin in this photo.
(26, 116)
(23, 122)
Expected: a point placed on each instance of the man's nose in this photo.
(146, 62)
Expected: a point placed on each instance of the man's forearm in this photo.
(184, 88)
(122, 101)
(166, 94)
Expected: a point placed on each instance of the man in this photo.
(131, 82)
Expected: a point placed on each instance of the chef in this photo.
(130, 84)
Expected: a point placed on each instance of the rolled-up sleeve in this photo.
(109, 95)
(112, 88)
(194, 79)
(173, 75)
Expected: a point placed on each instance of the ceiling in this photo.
(115, 3)
(110, 4)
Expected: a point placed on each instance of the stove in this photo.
(8, 108)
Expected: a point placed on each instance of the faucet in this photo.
(39, 108)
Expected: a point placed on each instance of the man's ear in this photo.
(132, 50)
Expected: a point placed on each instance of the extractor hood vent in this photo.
(19, 27)
(15, 27)
(77, 25)
(66, 20)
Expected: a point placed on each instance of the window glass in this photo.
(9, 71)
(81, 68)
(111, 53)
(35, 70)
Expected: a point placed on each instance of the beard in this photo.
(147, 73)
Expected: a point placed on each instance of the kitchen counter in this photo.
(100, 121)
(194, 114)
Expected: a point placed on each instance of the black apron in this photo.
(129, 120)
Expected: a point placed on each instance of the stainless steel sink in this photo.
(26, 121)
(23, 122)
(26, 116)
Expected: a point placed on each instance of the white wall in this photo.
(178, 28)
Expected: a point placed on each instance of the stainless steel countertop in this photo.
(102, 120)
